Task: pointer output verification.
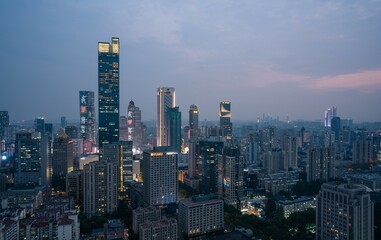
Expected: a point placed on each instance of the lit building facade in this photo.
(100, 188)
(208, 165)
(226, 127)
(344, 211)
(87, 120)
(108, 92)
(201, 215)
(166, 98)
(27, 160)
(159, 168)
(175, 140)
(193, 122)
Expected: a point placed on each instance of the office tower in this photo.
(328, 115)
(121, 153)
(100, 188)
(46, 160)
(123, 129)
(108, 92)
(71, 131)
(230, 177)
(336, 127)
(291, 151)
(142, 215)
(362, 151)
(49, 129)
(87, 120)
(201, 215)
(344, 211)
(175, 140)
(208, 167)
(193, 122)
(27, 160)
(275, 160)
(159, 168)
(320, 164)
(62, 160)
(136, 129)
(225, 117)
(39, 124)
(160, 229)
(63, 122)
(165, 99)
(4, 122)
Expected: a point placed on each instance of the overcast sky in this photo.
(281, 58)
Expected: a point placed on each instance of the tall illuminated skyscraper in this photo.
(193, 121)
(225, 117)
(134, 125)
(328, 115)
(87, 120)
(165, 99)
(108, 92)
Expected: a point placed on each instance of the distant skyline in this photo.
(281, 58)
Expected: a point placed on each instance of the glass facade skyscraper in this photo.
(108, 92)
(225, 116)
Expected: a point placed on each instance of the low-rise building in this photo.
(297, 205)
(159, 230)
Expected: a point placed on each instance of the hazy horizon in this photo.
(283, 59)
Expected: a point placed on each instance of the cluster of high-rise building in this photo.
(106, 158)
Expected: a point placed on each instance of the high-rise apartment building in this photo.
(87, 120)
(226, 127)
(4, 122)
(27, 160)
(290, 148)
(336, 127)
(201, 215)
(121, 153)
(230, 177)
(175, 140)
(320, 164)
(100, 188)
(108, 92)
(142, 215)
(362, 151)
(166, 98)
(344, 211)
(159, 168)
(193, 122)
(275, 160)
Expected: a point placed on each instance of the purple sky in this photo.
(280, 58)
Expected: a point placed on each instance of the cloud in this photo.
(366, 80)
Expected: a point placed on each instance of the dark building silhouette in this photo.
(174, 116)
(4, 121)
(207, 169)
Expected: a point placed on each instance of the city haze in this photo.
(291, 59)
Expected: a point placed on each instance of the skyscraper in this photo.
(208, 168)
(344, 211)
(165, 99)
(135, 126)
(193, 121)
(27, 160)
(121, 153)
(328, 115)
(62, 160)
(39, 124)
(160, 176)
(230, 176)
(87, 120)
(175, 140)
(225, 117)
(4, 121)
(108, 92)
